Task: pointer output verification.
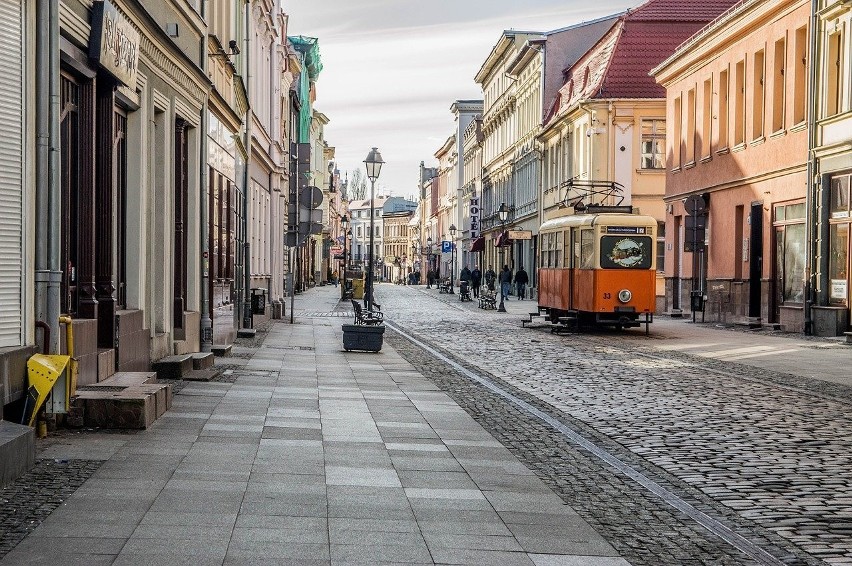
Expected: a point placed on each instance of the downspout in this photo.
(204, 204)
(811, 207)
(48, 271)
(247, 314)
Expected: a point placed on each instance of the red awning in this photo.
(503, 240)
(478, 245)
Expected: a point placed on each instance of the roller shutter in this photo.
(11, 171)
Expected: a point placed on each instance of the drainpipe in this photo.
(812, 221)
(247, 316)
(48, 271)
(204, 204)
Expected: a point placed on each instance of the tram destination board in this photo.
(626, 230)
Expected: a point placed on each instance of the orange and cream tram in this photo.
(598, 268)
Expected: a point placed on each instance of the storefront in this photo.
(839, 251)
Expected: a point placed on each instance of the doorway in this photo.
(755, 258)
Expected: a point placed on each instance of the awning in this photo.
(478, 244)
(503, 240)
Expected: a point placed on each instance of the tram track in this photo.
(717, 526)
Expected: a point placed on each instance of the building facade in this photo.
(736, 232)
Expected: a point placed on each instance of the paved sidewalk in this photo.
(311, 456)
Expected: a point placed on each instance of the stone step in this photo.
(133, 407)
(222, 350)
(203, 360)
(127, 379)
(173, 367)
(17, 451)
(201, 375)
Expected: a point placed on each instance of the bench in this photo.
(445, 287)
(366, 317)
(488, 300)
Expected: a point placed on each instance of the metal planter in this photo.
(361, 337)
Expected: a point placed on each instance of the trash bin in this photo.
(358, 289)
(696, 301)
(258, 301)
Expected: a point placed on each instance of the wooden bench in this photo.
(366, 317)
(488, 300)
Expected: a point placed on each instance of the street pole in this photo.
(369, 296)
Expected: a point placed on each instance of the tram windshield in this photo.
(626, 252)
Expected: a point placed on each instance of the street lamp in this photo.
(503, 214)
(331, 176)
(428, 257)
(452, 257)
(344, 222)
(374, 164)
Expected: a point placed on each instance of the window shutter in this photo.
(12, 149)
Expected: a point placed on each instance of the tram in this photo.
(598, 268)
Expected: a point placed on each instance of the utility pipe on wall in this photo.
(204, 204)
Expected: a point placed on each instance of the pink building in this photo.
(736, 166)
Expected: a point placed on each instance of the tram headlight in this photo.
(625, 295)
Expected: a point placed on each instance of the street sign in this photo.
(474, 211)
(310, 197)
(446, 247)
(695, 205)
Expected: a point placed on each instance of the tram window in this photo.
(587, 249)
(626, 252)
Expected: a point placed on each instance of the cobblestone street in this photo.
(770, 450)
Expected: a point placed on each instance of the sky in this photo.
(393, 68)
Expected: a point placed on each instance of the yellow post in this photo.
(71, 385)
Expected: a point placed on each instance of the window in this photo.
(759, 96)
(678, 118)
(661, 246)
(690, 126)
(833, 90)
(723, 109)
(840, 197)
(801, 65)
(790, 243)
(778, 85)
(838, 263)
(587, 249)
(653, 144)
(739, 103)
(360, 233)
(707, 118)
(627, 252)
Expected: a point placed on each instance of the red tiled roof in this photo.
(680, 10)
(618, 66)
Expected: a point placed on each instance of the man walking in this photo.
(505, 282)
(521, 281)
(475, 281)
(490, 277)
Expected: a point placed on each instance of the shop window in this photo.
(791, 251)
(838, 263)
(653, 144)
(759, 96)
(778, 85)
(840, 197)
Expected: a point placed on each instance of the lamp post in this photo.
(344, 222)
(331, 176)
(503, 213)
(374, 164)
(452, 257)
(428, 257)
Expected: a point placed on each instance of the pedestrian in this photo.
(465, 274)
(505, 283)
(430, 278)
(490, 277)
(521, 281)
(334, 278)
(476, 281)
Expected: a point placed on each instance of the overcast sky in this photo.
(392, 68)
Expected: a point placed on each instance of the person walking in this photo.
(430, 278)
(505, 282)
(465, 274)
(521, 281)
(490, 277)
(475, 281)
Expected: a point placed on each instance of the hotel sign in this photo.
(474, 212)
(114, 43)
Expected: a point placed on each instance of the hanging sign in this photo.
(114, 43)
(474, 212)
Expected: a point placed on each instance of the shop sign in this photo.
(474, 213)
(336, 250)
(114, 43)
(520, 234)
(839, 289)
